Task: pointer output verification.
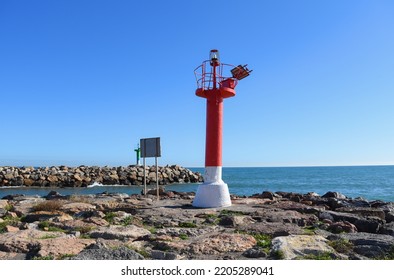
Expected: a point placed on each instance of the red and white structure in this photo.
(212, 85)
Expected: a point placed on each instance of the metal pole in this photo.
(214, 75)
(144, 178)
(157, 180)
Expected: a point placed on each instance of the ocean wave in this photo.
(95, 184)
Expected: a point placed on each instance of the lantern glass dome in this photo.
(214, 55)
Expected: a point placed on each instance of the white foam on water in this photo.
(95, 184)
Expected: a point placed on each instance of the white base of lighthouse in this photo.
(213, 193)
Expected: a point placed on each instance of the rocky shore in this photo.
(263, 226)
(83, 176)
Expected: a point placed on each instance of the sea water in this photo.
(369, 182)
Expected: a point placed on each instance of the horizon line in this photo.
(303, 166)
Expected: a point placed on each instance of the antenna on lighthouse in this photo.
(213, 85)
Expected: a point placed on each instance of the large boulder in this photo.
(221, 243)
(364, 212)
(369, 245)
(57, 247)
(23, 240)
(300, 246)
(279, 215)
(369, 224)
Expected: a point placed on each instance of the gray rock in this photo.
(364, 212)
(369, 251)
(122, 253)
(254, 253)
(334, 195)
(301, 246)
(161, 255)
(273, 229)
(340, 216)
(388, 229)
(390, 217)
(369, 224)
(267, 194)
(336, 203)
(119, 232)
(367, 244)
(326, 216)
(191, 232)
(53, 195)
(234, 221)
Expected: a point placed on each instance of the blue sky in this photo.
(82, 81)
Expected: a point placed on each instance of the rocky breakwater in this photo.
(263, 226)
(83, 176)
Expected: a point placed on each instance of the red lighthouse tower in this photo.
(212, 85)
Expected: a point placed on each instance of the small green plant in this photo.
(49, 205)
(8, 221)
(309, 230)
(110, 217)
(183, 236)
(84, 229)
(142, 252)
(3, 227)
(65, 256)
(45, 225)
(48, 236)
(210, 216)
(13, 221)
(85, 236)
(187, 225)
(226, 212)
(152, 230)
(210, 219)
(127, 221)
(9, 207)
(342, 245)
(278, 255)
(263, 240)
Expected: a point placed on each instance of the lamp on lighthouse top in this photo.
(214, 58)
